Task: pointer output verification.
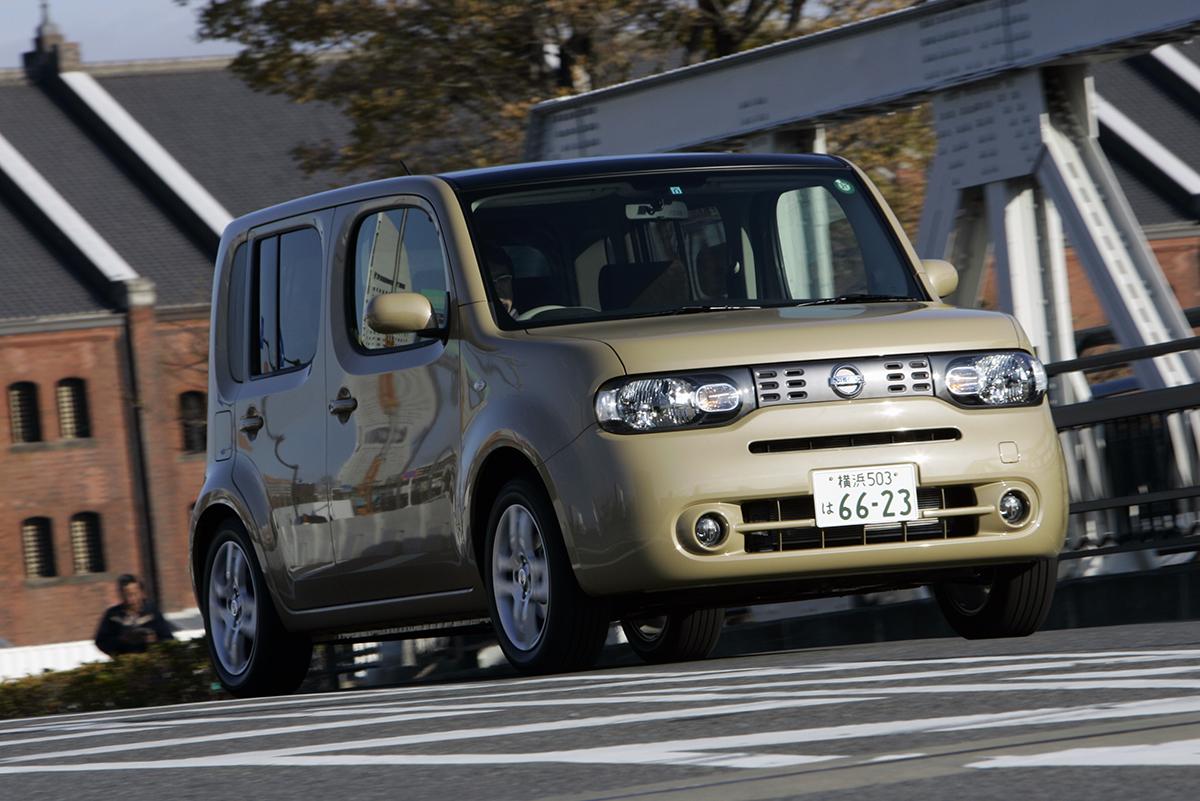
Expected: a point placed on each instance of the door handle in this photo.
(252, 422)
(343, 405)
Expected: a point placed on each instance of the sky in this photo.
(108, 30)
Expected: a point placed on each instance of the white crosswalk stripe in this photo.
(607, 718)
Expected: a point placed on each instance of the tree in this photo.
(438, 84)
(433, 84)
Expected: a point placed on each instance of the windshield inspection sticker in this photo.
(842, 185)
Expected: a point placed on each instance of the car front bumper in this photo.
(628, 502)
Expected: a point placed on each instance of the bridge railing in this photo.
(1151, 504)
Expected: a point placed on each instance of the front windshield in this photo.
(680, 242)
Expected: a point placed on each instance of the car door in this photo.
(281, 406)
(393, 448)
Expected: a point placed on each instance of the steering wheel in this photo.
(529, 314)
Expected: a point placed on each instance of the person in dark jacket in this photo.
(133, 625)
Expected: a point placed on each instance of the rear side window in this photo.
(398, 250)
(286, 294)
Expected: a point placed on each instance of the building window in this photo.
(193, 414)
(86, 544)
(38, 546)
(23, 412)
(71, 396)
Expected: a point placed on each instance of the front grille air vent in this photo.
(779, 384)
(855, 440)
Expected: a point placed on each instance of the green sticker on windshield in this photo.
(842, 185)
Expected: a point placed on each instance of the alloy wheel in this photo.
(232, 608)
(520, 577)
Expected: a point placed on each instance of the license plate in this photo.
(865, 495)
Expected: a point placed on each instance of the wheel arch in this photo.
(503, 463)
(204, 531)
(212, 509)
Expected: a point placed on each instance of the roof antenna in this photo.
(407, 171)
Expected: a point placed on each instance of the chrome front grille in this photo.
(809, 382)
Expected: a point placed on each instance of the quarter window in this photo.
(398, 250)
(287, 300)
(23, 413)
(38, 547)
(71, 396)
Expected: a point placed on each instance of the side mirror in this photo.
(401, 313)
(942, 275)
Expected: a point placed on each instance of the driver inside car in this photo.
(500, 267)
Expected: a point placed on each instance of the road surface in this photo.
(1095, 713)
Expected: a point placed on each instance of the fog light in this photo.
(1014, 507)
(710, 530)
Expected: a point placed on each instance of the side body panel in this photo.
(393, 461)
(283, 460)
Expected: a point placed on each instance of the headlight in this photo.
(661, 403)
(1012, 378)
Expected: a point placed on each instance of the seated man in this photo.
(132, 625)
(500, 268)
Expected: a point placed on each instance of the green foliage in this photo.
(169, 673)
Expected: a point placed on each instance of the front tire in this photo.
(544, 622)
(675, 637)
(1009, 601)
(251, 652)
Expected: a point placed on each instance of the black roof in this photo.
(1168, 110)
(538, 171)
(37, 280)
(236, 142)
(106, 195)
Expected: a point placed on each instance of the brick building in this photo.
(115, 182)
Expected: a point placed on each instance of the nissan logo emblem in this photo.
(846, 380)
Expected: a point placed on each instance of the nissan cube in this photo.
(638, 389)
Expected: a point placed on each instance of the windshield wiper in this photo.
(696, 309)
(855, 298)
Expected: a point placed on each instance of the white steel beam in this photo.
(871, 65)
(1013, 224)
(1106, 260)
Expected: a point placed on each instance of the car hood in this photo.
(765, 336)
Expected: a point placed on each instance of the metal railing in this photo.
(1147, 509)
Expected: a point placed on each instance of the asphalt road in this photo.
(1084, 714)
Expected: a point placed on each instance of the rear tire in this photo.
(1009, 601)
(251, 652)
(544, 622)
(675, 637)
